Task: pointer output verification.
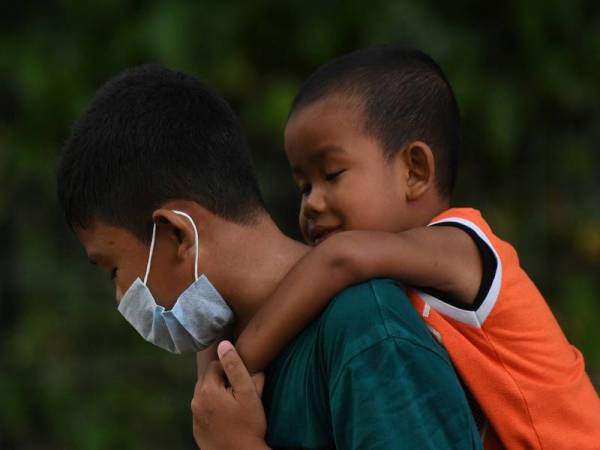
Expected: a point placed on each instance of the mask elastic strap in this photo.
(151, 253)
(187, 216)
(152, 242)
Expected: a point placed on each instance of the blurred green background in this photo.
(73, 374)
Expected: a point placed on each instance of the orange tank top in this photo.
(512, 355)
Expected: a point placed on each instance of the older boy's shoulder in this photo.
(365, 314)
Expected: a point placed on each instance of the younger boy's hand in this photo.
(226, 408)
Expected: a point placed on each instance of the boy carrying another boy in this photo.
(373, 141)
(156, 181)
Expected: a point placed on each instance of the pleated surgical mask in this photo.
(199, 316)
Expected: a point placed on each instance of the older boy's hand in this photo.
(229, 416)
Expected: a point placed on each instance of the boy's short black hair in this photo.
(405, 96)
(150, 135)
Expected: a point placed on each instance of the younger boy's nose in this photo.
(314, 204)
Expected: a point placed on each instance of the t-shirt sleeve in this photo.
(475, 314)
(399, 394)
(489, 269)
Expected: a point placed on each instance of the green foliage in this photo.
(72, 373)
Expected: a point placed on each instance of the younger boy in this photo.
(373, 141)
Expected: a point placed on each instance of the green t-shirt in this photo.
(367, 374)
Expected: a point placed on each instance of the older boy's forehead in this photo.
(98, 238)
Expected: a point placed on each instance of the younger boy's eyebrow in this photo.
(318, 155)
(326, 149)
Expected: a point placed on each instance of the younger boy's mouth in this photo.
(318, 234)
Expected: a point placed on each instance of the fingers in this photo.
(234, 368)
(205, 390)
(213, 379)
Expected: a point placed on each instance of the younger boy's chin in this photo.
(323, 237)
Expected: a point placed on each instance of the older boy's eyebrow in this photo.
(93, 258)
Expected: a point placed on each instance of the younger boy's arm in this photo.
(204, 358)
(442, 258)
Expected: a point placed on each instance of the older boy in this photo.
(156, 181)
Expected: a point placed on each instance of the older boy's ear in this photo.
(420, 164)
(178, 229)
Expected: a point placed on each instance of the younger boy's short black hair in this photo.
(405, 96)
(151, 135)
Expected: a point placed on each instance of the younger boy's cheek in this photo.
(302, 225)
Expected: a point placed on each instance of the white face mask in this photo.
(197, 319)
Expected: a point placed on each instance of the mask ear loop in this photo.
(187, 216)
(151, 253)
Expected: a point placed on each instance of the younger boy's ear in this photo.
(420, 163)
(177, 229)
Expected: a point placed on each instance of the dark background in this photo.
(73, 373)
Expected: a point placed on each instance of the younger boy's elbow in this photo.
(344, 257)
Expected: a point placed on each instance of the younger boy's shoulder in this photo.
(472, 221)
(462, 215)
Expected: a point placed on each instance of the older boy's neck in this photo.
(250, 263)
